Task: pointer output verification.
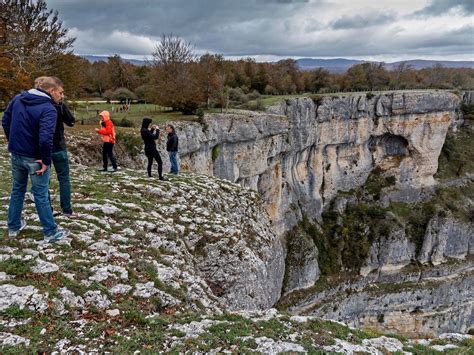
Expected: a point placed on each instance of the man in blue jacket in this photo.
(29, 123)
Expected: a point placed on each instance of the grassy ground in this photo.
(87, 113)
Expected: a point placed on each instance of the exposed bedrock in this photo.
(300, 153)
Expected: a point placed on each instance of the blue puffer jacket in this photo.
(29, 123)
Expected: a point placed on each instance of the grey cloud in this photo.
(248, 28)
(285, 1)
(440, 7)
(362, 21)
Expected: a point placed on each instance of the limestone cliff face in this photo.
(300, 153)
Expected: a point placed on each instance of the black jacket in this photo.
(149, 137)
(64, 116)
(172, 143)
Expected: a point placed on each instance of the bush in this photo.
(126, 123)
(254, 95)
(270, 90)
(237, 96)
(123, 94)
(131, 143)
(215, 152)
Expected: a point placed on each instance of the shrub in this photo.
(126, 123)
(317, 99)
(215, 152)
(237, 96)
(200, 115)
(254, 95)
(131, 143)
(369, 95)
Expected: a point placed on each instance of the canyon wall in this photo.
(302, 152)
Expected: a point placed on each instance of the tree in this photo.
(33, 37)
(211, 67)
(123, 94)
(71, 68)
(175, 77)
(356, 78)
(318, 79)
(260, 81)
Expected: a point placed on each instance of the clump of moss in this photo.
(215, 152)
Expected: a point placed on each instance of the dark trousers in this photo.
(154, 155)
(108, 153)
(61, 165)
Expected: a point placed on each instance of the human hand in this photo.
(44, 167)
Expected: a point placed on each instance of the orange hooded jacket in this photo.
(107, 132)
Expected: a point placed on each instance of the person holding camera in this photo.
(150, 133)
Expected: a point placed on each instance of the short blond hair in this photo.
(48, 82)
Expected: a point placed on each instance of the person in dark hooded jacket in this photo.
(150, 133)
(60, 156)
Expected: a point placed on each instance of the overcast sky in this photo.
(387, 30)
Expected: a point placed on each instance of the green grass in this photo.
(269, 100)
(136, 113)
(16, 312)
(16, 267)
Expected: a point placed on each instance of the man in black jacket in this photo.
(172, 148)
(60, 157)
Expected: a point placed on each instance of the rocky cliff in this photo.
(349, 224)
(300, 153)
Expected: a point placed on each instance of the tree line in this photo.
(34, 42)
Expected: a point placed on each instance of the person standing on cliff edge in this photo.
(29, 123)
(172, 148)
(150, 133)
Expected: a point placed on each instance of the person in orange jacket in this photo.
(107, 131)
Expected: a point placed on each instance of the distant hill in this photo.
(337, 65)
(104, 58)
(340, 65)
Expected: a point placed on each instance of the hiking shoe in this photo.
(162, 178)
(101, 170)
(13, 234)
(57, 236)
(113, 170)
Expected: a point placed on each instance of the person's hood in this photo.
(146, 122)
(105, 115)
(35, 97)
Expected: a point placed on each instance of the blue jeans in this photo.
(21, 168)
(174, 162)
(61, 165)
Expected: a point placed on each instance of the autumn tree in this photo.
(318, 79)
(175, 77)
(32, 40)
(211, 71)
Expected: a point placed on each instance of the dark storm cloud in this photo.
(261, 27)
(440, 7)
(361, 21)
